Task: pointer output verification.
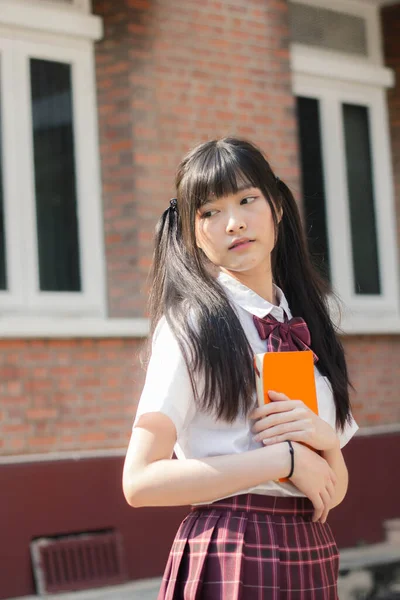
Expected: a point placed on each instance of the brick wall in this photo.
(168, 79)
(67, 394)
(62, 395)
(373, 363)
(171, 75)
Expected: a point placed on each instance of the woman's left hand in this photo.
(285, 419)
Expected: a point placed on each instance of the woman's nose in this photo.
(235, 223)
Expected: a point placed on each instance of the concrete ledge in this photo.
(69, 327)
(369, 556)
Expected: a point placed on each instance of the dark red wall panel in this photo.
(61, 497)
(374, 490)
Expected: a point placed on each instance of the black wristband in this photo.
(291, 450)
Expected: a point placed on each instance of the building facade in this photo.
(98, 103)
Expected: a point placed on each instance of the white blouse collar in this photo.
(252, 302)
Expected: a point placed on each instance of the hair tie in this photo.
(173, 204)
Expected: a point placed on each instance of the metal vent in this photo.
(328, 29)
(78, 562)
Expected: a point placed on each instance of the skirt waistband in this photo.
(284, 505)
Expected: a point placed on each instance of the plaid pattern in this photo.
(252, 547)
(291, 335)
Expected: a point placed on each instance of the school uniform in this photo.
(261, 542)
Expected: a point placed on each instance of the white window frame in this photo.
(47, 17)
(333, 79)
(23, 297)
(82, 5)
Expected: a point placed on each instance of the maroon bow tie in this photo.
(289, 336)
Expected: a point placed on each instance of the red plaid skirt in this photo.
(252, 547)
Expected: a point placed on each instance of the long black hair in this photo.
(196, 307)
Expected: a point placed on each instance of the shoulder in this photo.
(168, 387)
(162, 333)
(165, 349)
(170, 349)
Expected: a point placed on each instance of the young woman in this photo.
(232, 277)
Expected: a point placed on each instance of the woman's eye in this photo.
(208, 214)
(248, 200)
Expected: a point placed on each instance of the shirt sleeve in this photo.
(348, 432)
(327, 410)
(167, 387)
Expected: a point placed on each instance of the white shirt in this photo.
(199, 435)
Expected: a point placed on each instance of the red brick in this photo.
(17, 428)
(13, 387)
(47, 443)
(37, 413)
(94, 436)
(16, 445)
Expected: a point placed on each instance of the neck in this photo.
(260, 282)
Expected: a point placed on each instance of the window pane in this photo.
(313, 182)
(3, 274)
(55, 183)
(361, 200)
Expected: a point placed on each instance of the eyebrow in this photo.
(241, 188)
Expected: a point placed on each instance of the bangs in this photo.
(218, 172)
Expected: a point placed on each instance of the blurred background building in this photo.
(98, 103)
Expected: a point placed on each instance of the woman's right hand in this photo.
(314, 477)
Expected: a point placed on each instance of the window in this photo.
(360, 192)
(348, 205)
(51, 248)
(55, 176)
(361, 199)
(313, 182)
(346, 174)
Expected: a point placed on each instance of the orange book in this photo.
(291, 373)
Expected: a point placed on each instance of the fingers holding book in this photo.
(285, 419)
(316, 479)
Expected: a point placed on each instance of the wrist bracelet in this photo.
(291, 450)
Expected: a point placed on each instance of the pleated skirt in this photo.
(252, 547)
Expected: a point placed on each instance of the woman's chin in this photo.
(244, 266)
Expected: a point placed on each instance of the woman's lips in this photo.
(241, 245)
